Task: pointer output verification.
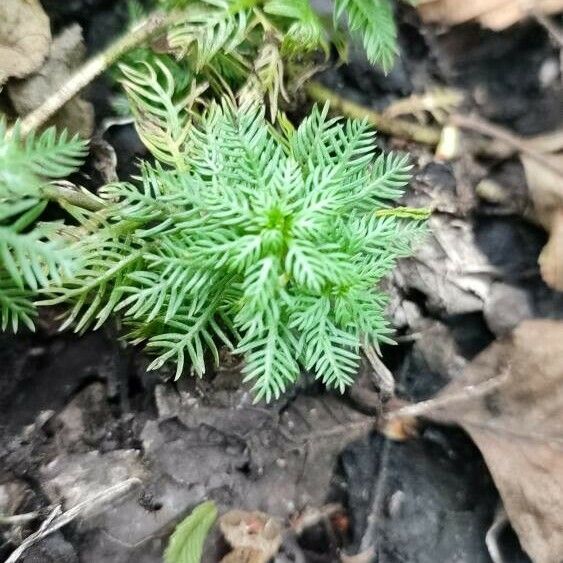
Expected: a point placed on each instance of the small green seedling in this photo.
(273, 243)
(243, 230)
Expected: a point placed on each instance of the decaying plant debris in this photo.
(25, 38)
(103, 460)
(509, 400)
(66, 54)
(495, 14)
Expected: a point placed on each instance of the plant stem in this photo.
(18, 519)
(72, 195)
(503, 145)
(154, 23)
(436, 404)
(519, 144)
(396, 127)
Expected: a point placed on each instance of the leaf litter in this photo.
(471, 274)
(25, 38)
(510, 401)
(494, 14)
(66, 54)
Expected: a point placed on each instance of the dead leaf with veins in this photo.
(510, 401)
(66, 54)
(449, 268)
(25, 38)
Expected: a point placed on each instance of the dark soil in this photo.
(79, 413)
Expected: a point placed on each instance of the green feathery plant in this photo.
(214, 26)
(28, 259)
(270, 239)
(272, 243)
(255, 49)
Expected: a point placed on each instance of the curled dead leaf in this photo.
(510, 400)
(25, 38)
(254, 536)
(66, 54)
(438, 102)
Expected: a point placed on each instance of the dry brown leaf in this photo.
(546, 187)
(546, 190)
(551, 257)
(254, 536)
(494, 14)
(67, 52)
(518, 426)
(25, 37)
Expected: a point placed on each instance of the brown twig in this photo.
(371, 539)
(402, 128)
(502, 144)
(57, 519)
(464, 394)
(66, 192)
(484, 127)
(147, 28)
(381, 374)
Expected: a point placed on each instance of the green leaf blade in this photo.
(373, 21)
(187, 541)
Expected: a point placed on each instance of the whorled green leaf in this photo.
(30, 258)
(273, 243)
(251, 49)
(25, 164)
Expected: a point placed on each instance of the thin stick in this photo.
(503, 145)
(484, 127)
(18, 519)
(148, 27)
(381, 373)
(463, 395)
(57, 520)
(371, 539)
(66, 192)
(396, 127)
